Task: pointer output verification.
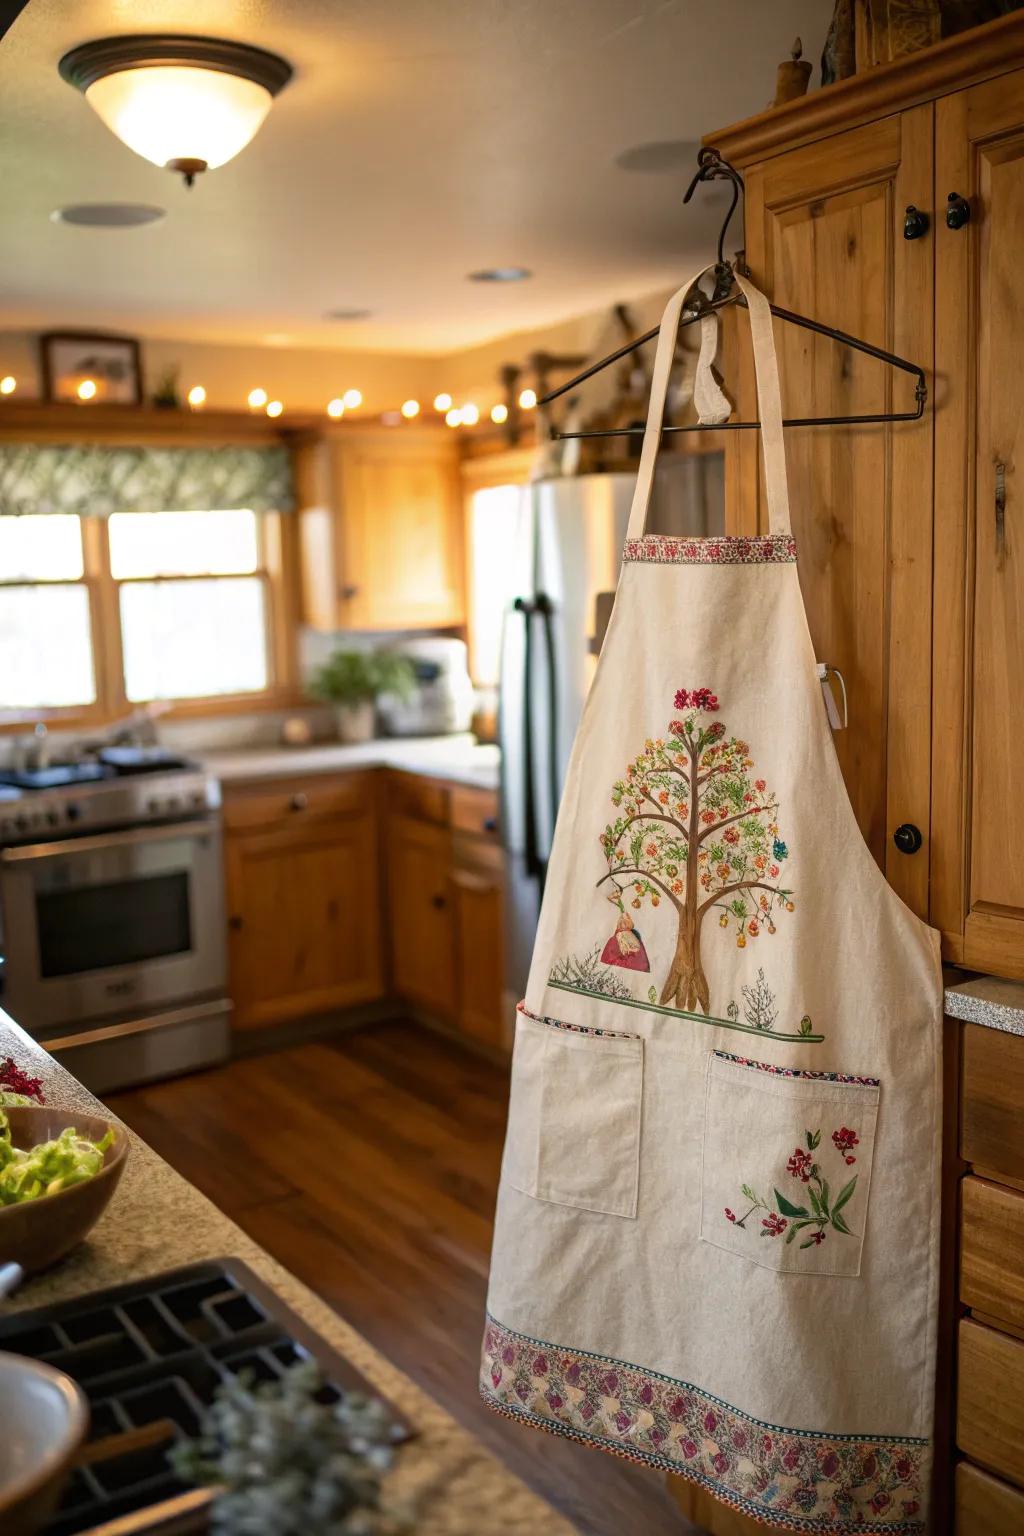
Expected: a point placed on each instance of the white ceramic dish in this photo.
(44, 1417)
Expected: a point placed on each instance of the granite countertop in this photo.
(988, 1000)
(157, 1221)
(460, 758)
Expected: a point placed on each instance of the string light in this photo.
(197, 397)
(274, 408)
(470, 414)
(410, 409)
(499, 414)
(86, 390)
(336, 409)
(257, 399)
(453, 417)
(8, 384)
(442, 402)
(352, 399)
(528, 399)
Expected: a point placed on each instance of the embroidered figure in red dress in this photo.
(625, 947)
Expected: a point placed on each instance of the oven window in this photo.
(95, 927)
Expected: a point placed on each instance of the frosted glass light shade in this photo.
(172, 113)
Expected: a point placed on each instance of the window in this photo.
(102, 614)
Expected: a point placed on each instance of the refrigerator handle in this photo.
(545, 609)
(534, 865)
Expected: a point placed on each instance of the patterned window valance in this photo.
(94, 480)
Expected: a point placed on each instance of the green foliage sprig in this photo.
(288, 1464)
(354, 677)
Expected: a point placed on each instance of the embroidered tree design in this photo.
(696, 829)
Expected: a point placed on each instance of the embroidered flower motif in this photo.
(800, 1165)
(824, 1209)
(779, 850)
(844, 1140)
(695, 698)
(774, 1224)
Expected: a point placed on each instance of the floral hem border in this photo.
(767, 1066)
(803, 1480)
(575, 1029)
(664, 549)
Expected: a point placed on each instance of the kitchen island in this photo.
(157, 1221)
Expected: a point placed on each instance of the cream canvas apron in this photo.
(716, 1246)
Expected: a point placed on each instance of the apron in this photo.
(716, 1243)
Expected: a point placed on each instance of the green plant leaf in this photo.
(844, 1194)
(810, 1141)
(787, 1208)
(815, 1139)
(652, 994)
(840, 1225)
(823, 1195)
(745, 1189)
(815, 1203)
(809, 1243)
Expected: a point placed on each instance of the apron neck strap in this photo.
(769, 401)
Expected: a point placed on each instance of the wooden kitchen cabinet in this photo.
(303, 892)
(380, 529)
(445, 878)
(420, 914)
(911, 534)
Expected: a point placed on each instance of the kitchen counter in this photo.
(460, 758)
(157, 1221)
(988, 1000)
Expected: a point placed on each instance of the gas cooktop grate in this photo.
(149, 1357)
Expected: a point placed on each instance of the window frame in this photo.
(277, 570)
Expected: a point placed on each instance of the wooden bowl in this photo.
(44, 1418)
(37, 1233)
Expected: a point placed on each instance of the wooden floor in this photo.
(368, 1166)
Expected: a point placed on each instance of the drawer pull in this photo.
(915, 223)
(298, 802)
(490, 823)
(958, 211)
(438, 902)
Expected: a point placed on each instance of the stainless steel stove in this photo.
(112, 914)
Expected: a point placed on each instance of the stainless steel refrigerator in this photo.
(561, 578)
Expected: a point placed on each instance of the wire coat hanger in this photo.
(712, 167)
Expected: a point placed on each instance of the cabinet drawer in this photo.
(990, 1399)
(992, 1096)
(284, 800)
(475, 810)
(481, 854)
(985, 1506)
(992, 1250)
(409, 795)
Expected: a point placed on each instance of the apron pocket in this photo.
(574, 1116)
(786, 1165)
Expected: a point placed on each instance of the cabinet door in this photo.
(304, 923)
(420, 915)
(476, 883)
(825, 238)
(979, 726)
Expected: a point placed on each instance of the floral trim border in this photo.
(767, 1066)
(664, 549)
(576, 1029)
(803, 1480)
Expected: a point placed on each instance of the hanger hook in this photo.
(711, 166)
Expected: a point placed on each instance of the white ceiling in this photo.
(418, 141)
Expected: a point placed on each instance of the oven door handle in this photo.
(132, 837)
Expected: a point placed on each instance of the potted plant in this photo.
(353, 681)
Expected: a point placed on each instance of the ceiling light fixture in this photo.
(500, 275)
(188, 104)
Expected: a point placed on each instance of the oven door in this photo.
(113, 924)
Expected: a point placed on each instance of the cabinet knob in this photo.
(490, 823)
(298, 802)
(438, 902)
(348, 593)
(915, 223)
(958, 211)
(234, 923)
(907, 837)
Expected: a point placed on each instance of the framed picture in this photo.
(90, 369)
